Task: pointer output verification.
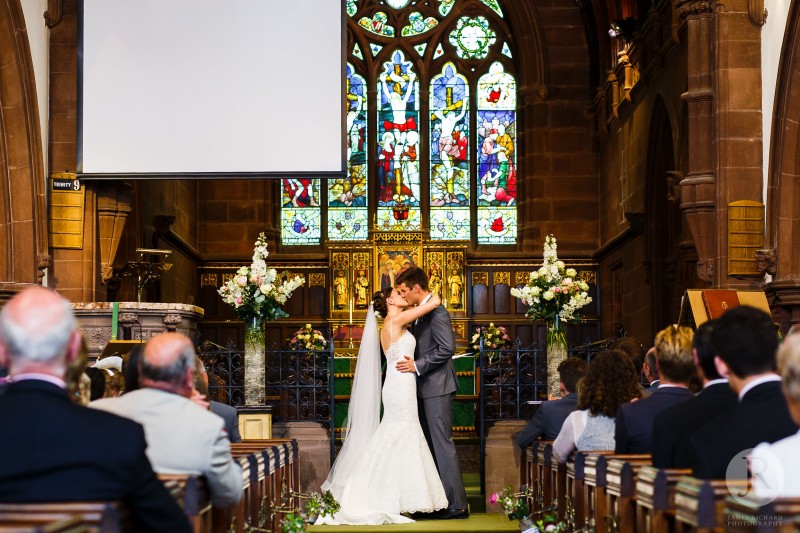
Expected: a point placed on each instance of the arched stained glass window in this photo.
(497, 169)
(449, 156)
(431, 122)
(398, 145)
(348, 218)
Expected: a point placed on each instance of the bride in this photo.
(385, 468)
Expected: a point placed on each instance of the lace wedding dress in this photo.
(396, 473)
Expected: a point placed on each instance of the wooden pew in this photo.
(750, 515)
(544, 458)
(529, 472)
(191, 493)
(99, 517)
(700, 504)
(655, 498)
(558, 478)
(594, 488)
(621, 492)
(280, 483)
(574, 513)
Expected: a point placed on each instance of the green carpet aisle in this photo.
(477, 522)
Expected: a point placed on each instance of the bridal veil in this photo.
(363, 413)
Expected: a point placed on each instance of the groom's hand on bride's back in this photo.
(406, 365)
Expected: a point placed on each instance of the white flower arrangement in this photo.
(258, 292)
(553, 290)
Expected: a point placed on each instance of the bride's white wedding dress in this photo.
(396, 473)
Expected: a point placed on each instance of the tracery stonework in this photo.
(686, 8)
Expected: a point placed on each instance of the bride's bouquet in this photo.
(258, 292)
(553, 290)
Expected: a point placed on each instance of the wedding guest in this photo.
(650, 370)
(222, 410)
(551, 414)
(182, 437)
(671, 428)
(611, 381)
(675, 367)
(633, 348)
(745, 341)
(57, 451)
(774, 467)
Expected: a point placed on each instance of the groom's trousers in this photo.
(436, 418)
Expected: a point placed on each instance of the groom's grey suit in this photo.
(436, 388)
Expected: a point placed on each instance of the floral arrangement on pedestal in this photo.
(308, 338)
(256, 294)
(553, 294)
(494, 338)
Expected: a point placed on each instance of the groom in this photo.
(436, 386)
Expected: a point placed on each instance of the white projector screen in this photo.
(211, 88)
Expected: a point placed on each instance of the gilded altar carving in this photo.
(208, 280)
(501, 278)
(316, 279)
(521, 278)
(480, 278)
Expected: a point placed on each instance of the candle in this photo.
(351, 312)
(114, 320)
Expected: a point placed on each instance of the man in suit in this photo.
(57, 451)
(671, 429)
(436, 386)
(745, 341)
(550, 416)
(634, 426)
(182, 437)
(650, 371)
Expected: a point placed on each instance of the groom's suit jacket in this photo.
(436, 345)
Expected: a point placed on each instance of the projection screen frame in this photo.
(206, 175)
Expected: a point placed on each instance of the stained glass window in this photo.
(398, 138)
(300, 216)
(347, 198)
(497, 172)
(449, 156)
(467, 167)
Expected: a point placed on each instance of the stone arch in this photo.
(670, 250)
(23, 216)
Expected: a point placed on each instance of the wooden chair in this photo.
(750, 515)
(100, 517)
(700, 504)
(655, 497)
(621, 492)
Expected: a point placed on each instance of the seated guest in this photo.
(675, 366)
(774, 467)
(633, 348)
(650, 370)
(130, 368)
(610, 381)
(182, 437)
(551, 414)
(745, 341)
(54, 450)
(97, 383)
(224, 411)
(671, 428)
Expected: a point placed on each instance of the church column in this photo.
(698, 188)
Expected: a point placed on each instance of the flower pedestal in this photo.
(254, 361)
(556, 352)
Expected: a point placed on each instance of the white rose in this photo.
(571, 272)
(548, 295)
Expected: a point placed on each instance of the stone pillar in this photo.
(503, 459)
(314, 445)
(698, 188)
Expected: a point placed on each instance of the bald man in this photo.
(182, 437)
(54, 450)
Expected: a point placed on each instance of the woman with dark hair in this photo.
(610, 382)
(369, 479)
